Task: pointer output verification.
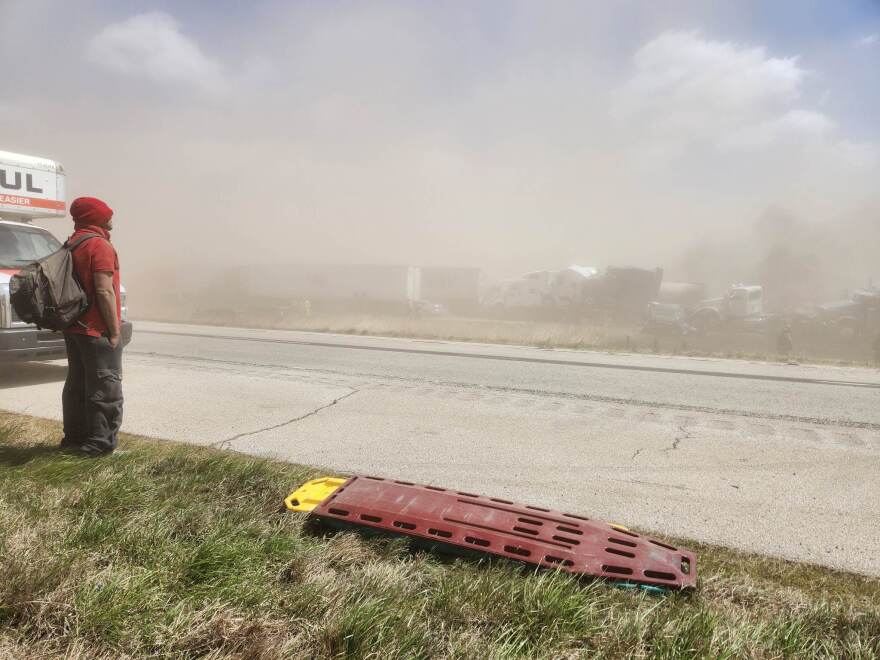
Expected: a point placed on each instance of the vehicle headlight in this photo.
(123, 299)
(4, 305)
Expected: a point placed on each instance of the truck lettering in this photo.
(18, 201)
(4, 181)
(29, 182)
(16, 185)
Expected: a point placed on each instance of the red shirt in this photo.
(96, 255)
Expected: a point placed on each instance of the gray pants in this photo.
(92, 398)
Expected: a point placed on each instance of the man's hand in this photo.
(106, 301)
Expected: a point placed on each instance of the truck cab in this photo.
(740, 304)
(30, 188)
(745, 302)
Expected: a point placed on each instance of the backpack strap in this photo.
(82, 239)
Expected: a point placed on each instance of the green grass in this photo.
(165, 550)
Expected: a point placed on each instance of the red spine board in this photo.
(499, 527)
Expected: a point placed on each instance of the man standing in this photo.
(92, 398)
(784, 344)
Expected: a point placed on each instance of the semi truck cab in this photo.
(30, 188)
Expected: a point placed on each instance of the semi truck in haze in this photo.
(30, 188)
(679, 307)
(740, 304)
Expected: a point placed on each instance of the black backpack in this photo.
(47, 292)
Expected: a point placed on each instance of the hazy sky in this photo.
(508, 135)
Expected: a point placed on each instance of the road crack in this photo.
(684, 434)
(637, 452)
(224, 444)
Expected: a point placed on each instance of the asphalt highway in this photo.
(778, 459)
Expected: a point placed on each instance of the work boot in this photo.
(84, 450)
(94, 452)
(69, 446)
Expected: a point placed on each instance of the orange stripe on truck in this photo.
(32, 202)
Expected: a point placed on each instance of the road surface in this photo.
(778, 459)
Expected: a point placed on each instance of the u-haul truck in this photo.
(30, 188)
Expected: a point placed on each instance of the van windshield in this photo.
(20, 246)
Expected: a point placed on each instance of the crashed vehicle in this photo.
(741, 306)
(858, 316)
(624, 292)
(668, 319)
(585, 290)
(531, 291)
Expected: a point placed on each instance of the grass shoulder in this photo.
(170, 550)
(586, 336)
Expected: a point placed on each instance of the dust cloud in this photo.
(509, 137)
(799, 263)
